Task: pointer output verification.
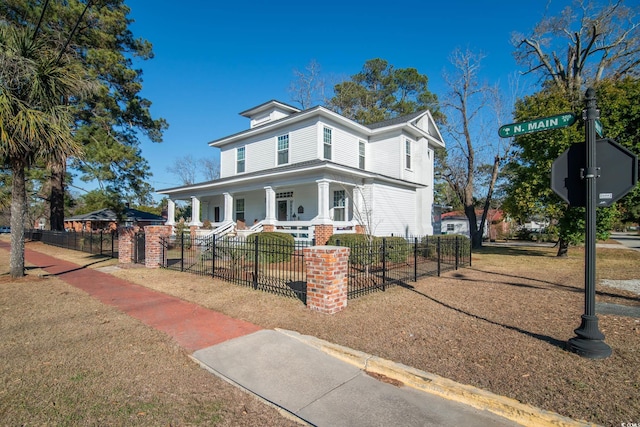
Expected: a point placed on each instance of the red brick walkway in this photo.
(190, 325)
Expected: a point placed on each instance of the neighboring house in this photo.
(313, 173)
(456, 222)
(106, 219)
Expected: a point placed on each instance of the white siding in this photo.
(385, 155)
(394, 211)
(302, 142)
(344, 144)
(260, 151)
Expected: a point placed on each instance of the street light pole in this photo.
(589, 341)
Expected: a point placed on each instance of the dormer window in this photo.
(283, 149)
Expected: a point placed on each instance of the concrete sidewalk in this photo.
(317, 382)
(323, 390)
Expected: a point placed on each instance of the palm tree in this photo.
(36, 83)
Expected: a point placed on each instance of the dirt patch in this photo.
(500, 325)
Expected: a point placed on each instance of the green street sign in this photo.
(599, 128)
(537, 125)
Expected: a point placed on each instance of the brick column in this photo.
(327, 278)
(322, 233)
(268, 227)
(125, 245)
(360, 229)
(153, 244)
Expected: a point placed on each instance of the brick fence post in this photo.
(153, 244)
(125, 245)
(322, 233)
(327, 278)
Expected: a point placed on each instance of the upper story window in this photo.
(326, 138)
(283, 149)
(240, 160)
(407, 154)
(361, 154)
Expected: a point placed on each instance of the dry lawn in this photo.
(500, 325)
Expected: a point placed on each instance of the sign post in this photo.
(589, 341)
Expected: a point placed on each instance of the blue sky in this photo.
(215, 60)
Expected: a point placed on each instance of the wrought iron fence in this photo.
(274, 267)
(98, 242)
(390, 261)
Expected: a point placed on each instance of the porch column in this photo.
(323, 202)
(228, 207)
(270, 205)
(171, 212)
(195, 211)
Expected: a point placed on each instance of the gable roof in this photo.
(267, 106)
(396, 120)
(110, 215)
(297, 115)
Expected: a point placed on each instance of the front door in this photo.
(282, 210)
(216, 214)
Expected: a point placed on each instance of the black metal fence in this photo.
(98, 242)
(280, 268)
(274, 267)
(390, 261)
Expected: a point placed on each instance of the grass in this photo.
(500, 325)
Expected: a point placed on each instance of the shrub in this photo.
(397, 249)
(272, 246)
(429, 245)
(365, 250)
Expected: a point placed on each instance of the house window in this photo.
(239, 209)
(240, 160)
(407, 154)
(283, 149)
(339, 202)
(361, 154)
(327, 143)
(450, 227)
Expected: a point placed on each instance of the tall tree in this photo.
(108, 124)
(467, 104)
(35, 120)
(582, 45)
(599, 42)
(308, 87)
(187, 169)
(381, 92)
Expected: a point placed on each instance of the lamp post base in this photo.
(591, 349)
(589, 340)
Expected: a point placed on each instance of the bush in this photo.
(365, 250)
(429, 245)
(272, 246)
(397, 249)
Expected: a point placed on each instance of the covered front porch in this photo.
(299, 209)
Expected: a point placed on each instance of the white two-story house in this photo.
(314, 170)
